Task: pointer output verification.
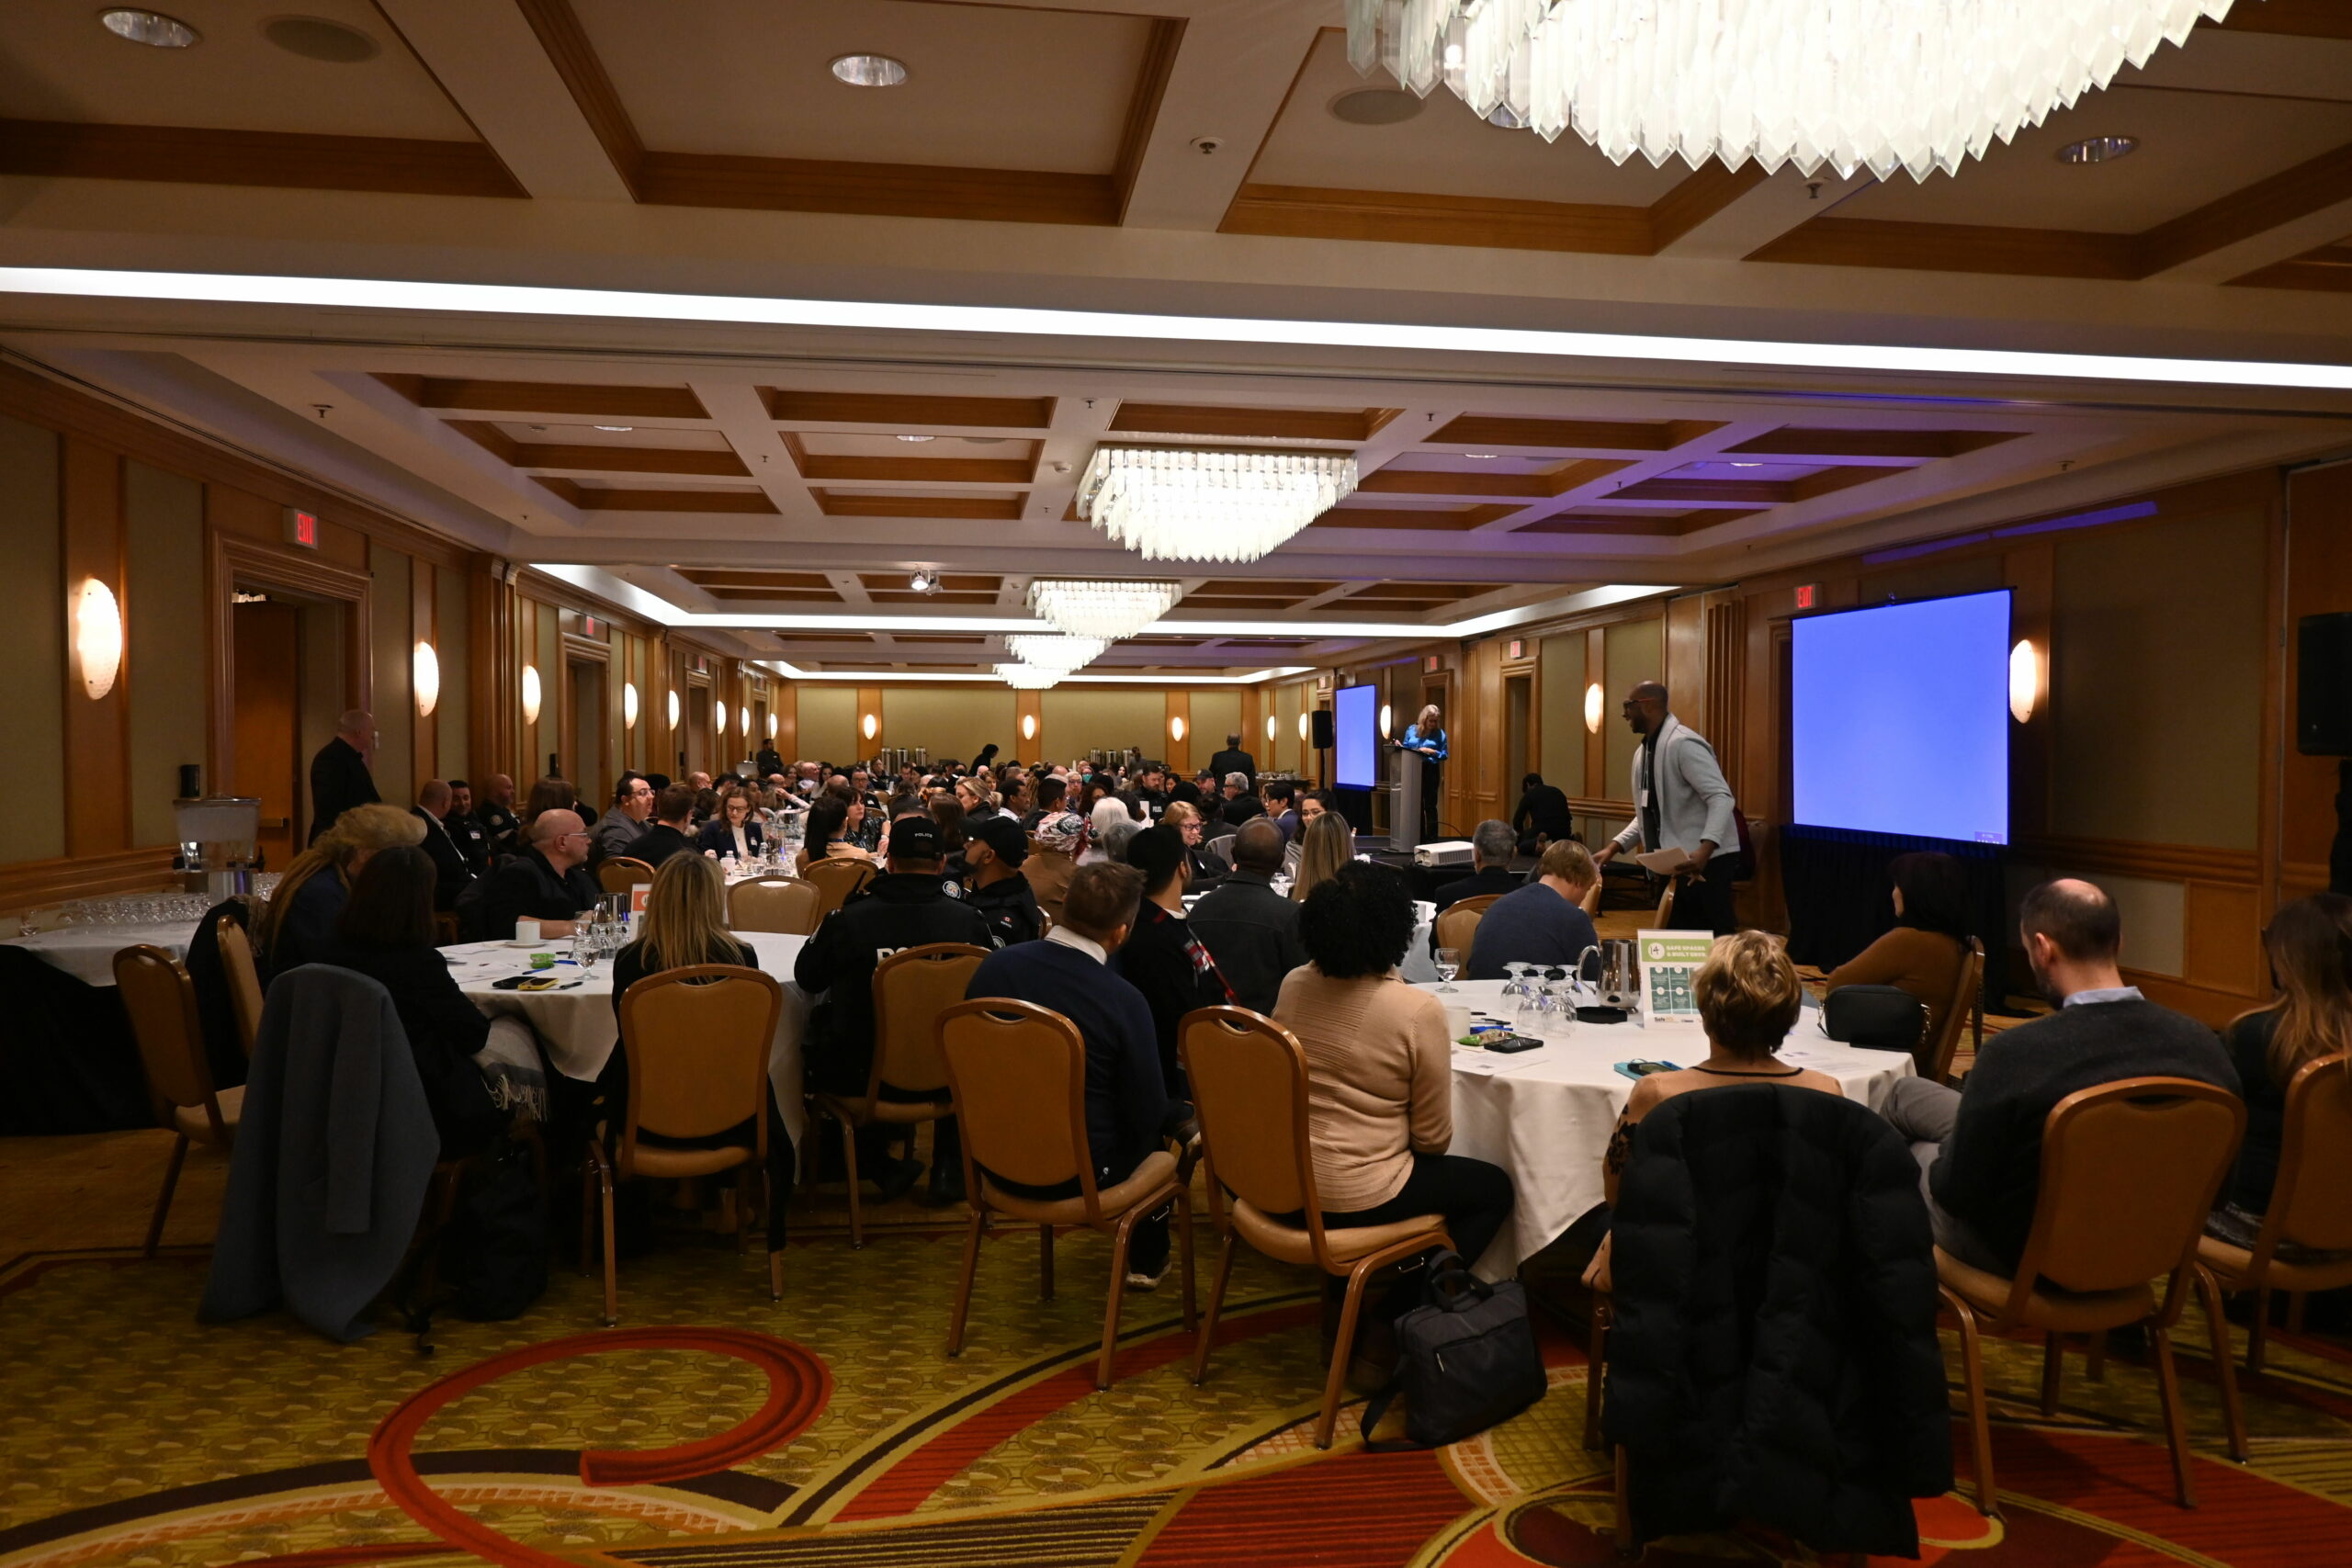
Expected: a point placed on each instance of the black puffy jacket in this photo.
(1774, 1357)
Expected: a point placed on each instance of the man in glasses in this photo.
(548, 882)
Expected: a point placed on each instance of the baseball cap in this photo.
(1002, 835)
(914, 838)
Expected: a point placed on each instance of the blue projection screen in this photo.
(1900, 718)
(1355, 725)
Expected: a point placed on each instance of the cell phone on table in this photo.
(526, 983)
(1643, 1069)
(1509, 1042)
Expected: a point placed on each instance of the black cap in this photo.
(914, 838)
(1157, 852)
(1002, 835)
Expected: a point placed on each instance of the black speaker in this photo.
(1324, 738)
(2323, 685)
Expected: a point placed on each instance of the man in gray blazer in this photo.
(1681, 803)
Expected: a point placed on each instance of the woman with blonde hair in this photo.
(297, 922)
(1327, 844)
(1426, 736)
(2309, 943)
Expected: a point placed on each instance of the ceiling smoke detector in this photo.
(2098, 148)
(869, 70)
(151, 28)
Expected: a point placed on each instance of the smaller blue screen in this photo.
(1355, 724)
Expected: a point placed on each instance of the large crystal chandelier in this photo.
(1105, 610)
(1062, 653)
(1886, 85)
(1027, 677)
(1170, 505)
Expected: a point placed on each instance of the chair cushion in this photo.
(192, 1121)
(2067, 1312)
(672, 1162)
(2232, 1263)
(1291, 1243)
(1157, 1171)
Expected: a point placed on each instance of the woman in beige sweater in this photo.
(1380, 1071)
(1924, 953)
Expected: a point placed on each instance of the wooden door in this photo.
(267, 670)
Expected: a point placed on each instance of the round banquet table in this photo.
(580, 1028)
(86, 953)
(1545, 1115)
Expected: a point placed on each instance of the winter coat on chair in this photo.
(1774, 1355)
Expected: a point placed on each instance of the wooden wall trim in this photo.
(885, 190)
(574, 59)
(2175, 863)
(95, 545)
(1160, 54)
(31, 884)
(1313, 212)
(195, 155)
(228, 559)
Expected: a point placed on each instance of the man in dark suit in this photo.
(450, 872)
(1492, 843)
(1234, 760)
(674, 813)
(496, 814)
(339, 775)
(1240, 802)
(1250, 930)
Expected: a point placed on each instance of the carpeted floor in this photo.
(131, 1434)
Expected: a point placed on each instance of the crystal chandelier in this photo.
(1062, 653)
(1172, 504)
(1886, 85)
(1105, 610)
(1027, 677)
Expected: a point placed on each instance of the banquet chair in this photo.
(2311, 1206)
(837, 879)
(1249, 1080)
(2128, 1172)
(161, 1001)
(244, 980)
(1966, 1008)
(697, 1041)
(1457, 923)
(912, 988)
(622, 872)
(1018, 1075)
(1049, 872)
(785, 903)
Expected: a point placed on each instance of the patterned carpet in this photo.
(131, 1434)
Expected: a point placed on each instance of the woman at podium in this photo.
(1426, 736)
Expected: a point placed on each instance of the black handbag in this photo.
(1879, 1018)
(1465, 1359)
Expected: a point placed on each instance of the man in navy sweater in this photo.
(1127, 1108)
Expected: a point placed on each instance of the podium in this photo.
(1402, 784)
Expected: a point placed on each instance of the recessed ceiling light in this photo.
(869, 70)
(1482, 457)
(316, 38)
(2098, 149)
(916, 439)
(1376, 105)
(925, 580)
(616, 429)
(149, 28)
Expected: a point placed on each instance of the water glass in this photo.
(1449, 964)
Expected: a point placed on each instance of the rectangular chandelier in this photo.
(1173, 505)
(1048, 652)
(1105, 610)
(1027, 677)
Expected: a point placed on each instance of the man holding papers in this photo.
(1685, 815)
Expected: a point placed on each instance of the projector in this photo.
(1445, 851)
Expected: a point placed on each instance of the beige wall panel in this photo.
(32, 606)
(1932, 580)
(950, 721)
(452, 642)
(1074, 720)
(389, 626)
(2154, 913)
(1293, 751)
(1559, 688)
(1216, 713)
(166, 663)
(829, 722)
(1632, 651)
(2156, 657)
(547, 735)
(2222, 939)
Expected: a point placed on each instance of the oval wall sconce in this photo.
(628, 705)
(97, 638)
(743, 722)
(1270, 726)
(2025, 680)
(1592, 700)
(719, 716)
(673, 710)
(772, 726)
(1305, 725)
(1176, 728)
(1385, 718)
(531, 694)
(425, 675)
(870, 726)
(1028, 726)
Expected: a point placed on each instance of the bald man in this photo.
(496, 814)
(548, 882)
(450, 870)
(339, 775)
(1682, 804)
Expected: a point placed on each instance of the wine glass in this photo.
(1449, 964)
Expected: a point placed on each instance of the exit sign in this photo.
(1517, 649)
(1808, 595)
(301, 529)
(1428, 664)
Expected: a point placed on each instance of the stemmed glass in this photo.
(1449, 964)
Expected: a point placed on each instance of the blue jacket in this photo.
(1415, 741)
(716, 835)
(1126, 1099)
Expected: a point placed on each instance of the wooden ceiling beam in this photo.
(529, 400)
(1172, 419)
(900, 411)
(853, 503)
(185, 154)
(1456, 520)
(536, 456)
(1797, 444)
(1481, 430)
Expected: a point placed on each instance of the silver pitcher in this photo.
(1620, 974)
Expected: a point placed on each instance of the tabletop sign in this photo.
(1668, 960)
(637, 894)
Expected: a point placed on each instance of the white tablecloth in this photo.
(580, 1029)
(1545, 1115)
(86, 953)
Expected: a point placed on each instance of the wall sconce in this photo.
(426, 678)
(1386, 716)
(1270, 726)
(1176, 728)
(97, 638)
(870, 726)
(1592, 700)
(1028, 726)
(2025, 680)
(719, 716)
(530, 693)
(743, 722)
(673, 710)
(1305, 725)
(628, 705)
(772, 720)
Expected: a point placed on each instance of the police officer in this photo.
(999, 891)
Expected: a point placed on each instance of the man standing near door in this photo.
(339, 775)
(1681, 803)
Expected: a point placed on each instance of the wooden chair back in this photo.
(912, 988)
(1457, 924)
(1966, 1003)
(620, 873)
(1664, 905)
(1249, 1080)
(1018, 1073)
(1049, 872)
(2311, 1206)
(2129, 1171)
(244, 980)
(785, 903)
(836, 878)
(697, 1040)
(161, 1001)
(1590, 902)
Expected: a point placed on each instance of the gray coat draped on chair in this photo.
(334, 1156)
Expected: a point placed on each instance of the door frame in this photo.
(236, 563)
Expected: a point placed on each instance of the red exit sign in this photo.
(301, 529)
(1809, 597)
